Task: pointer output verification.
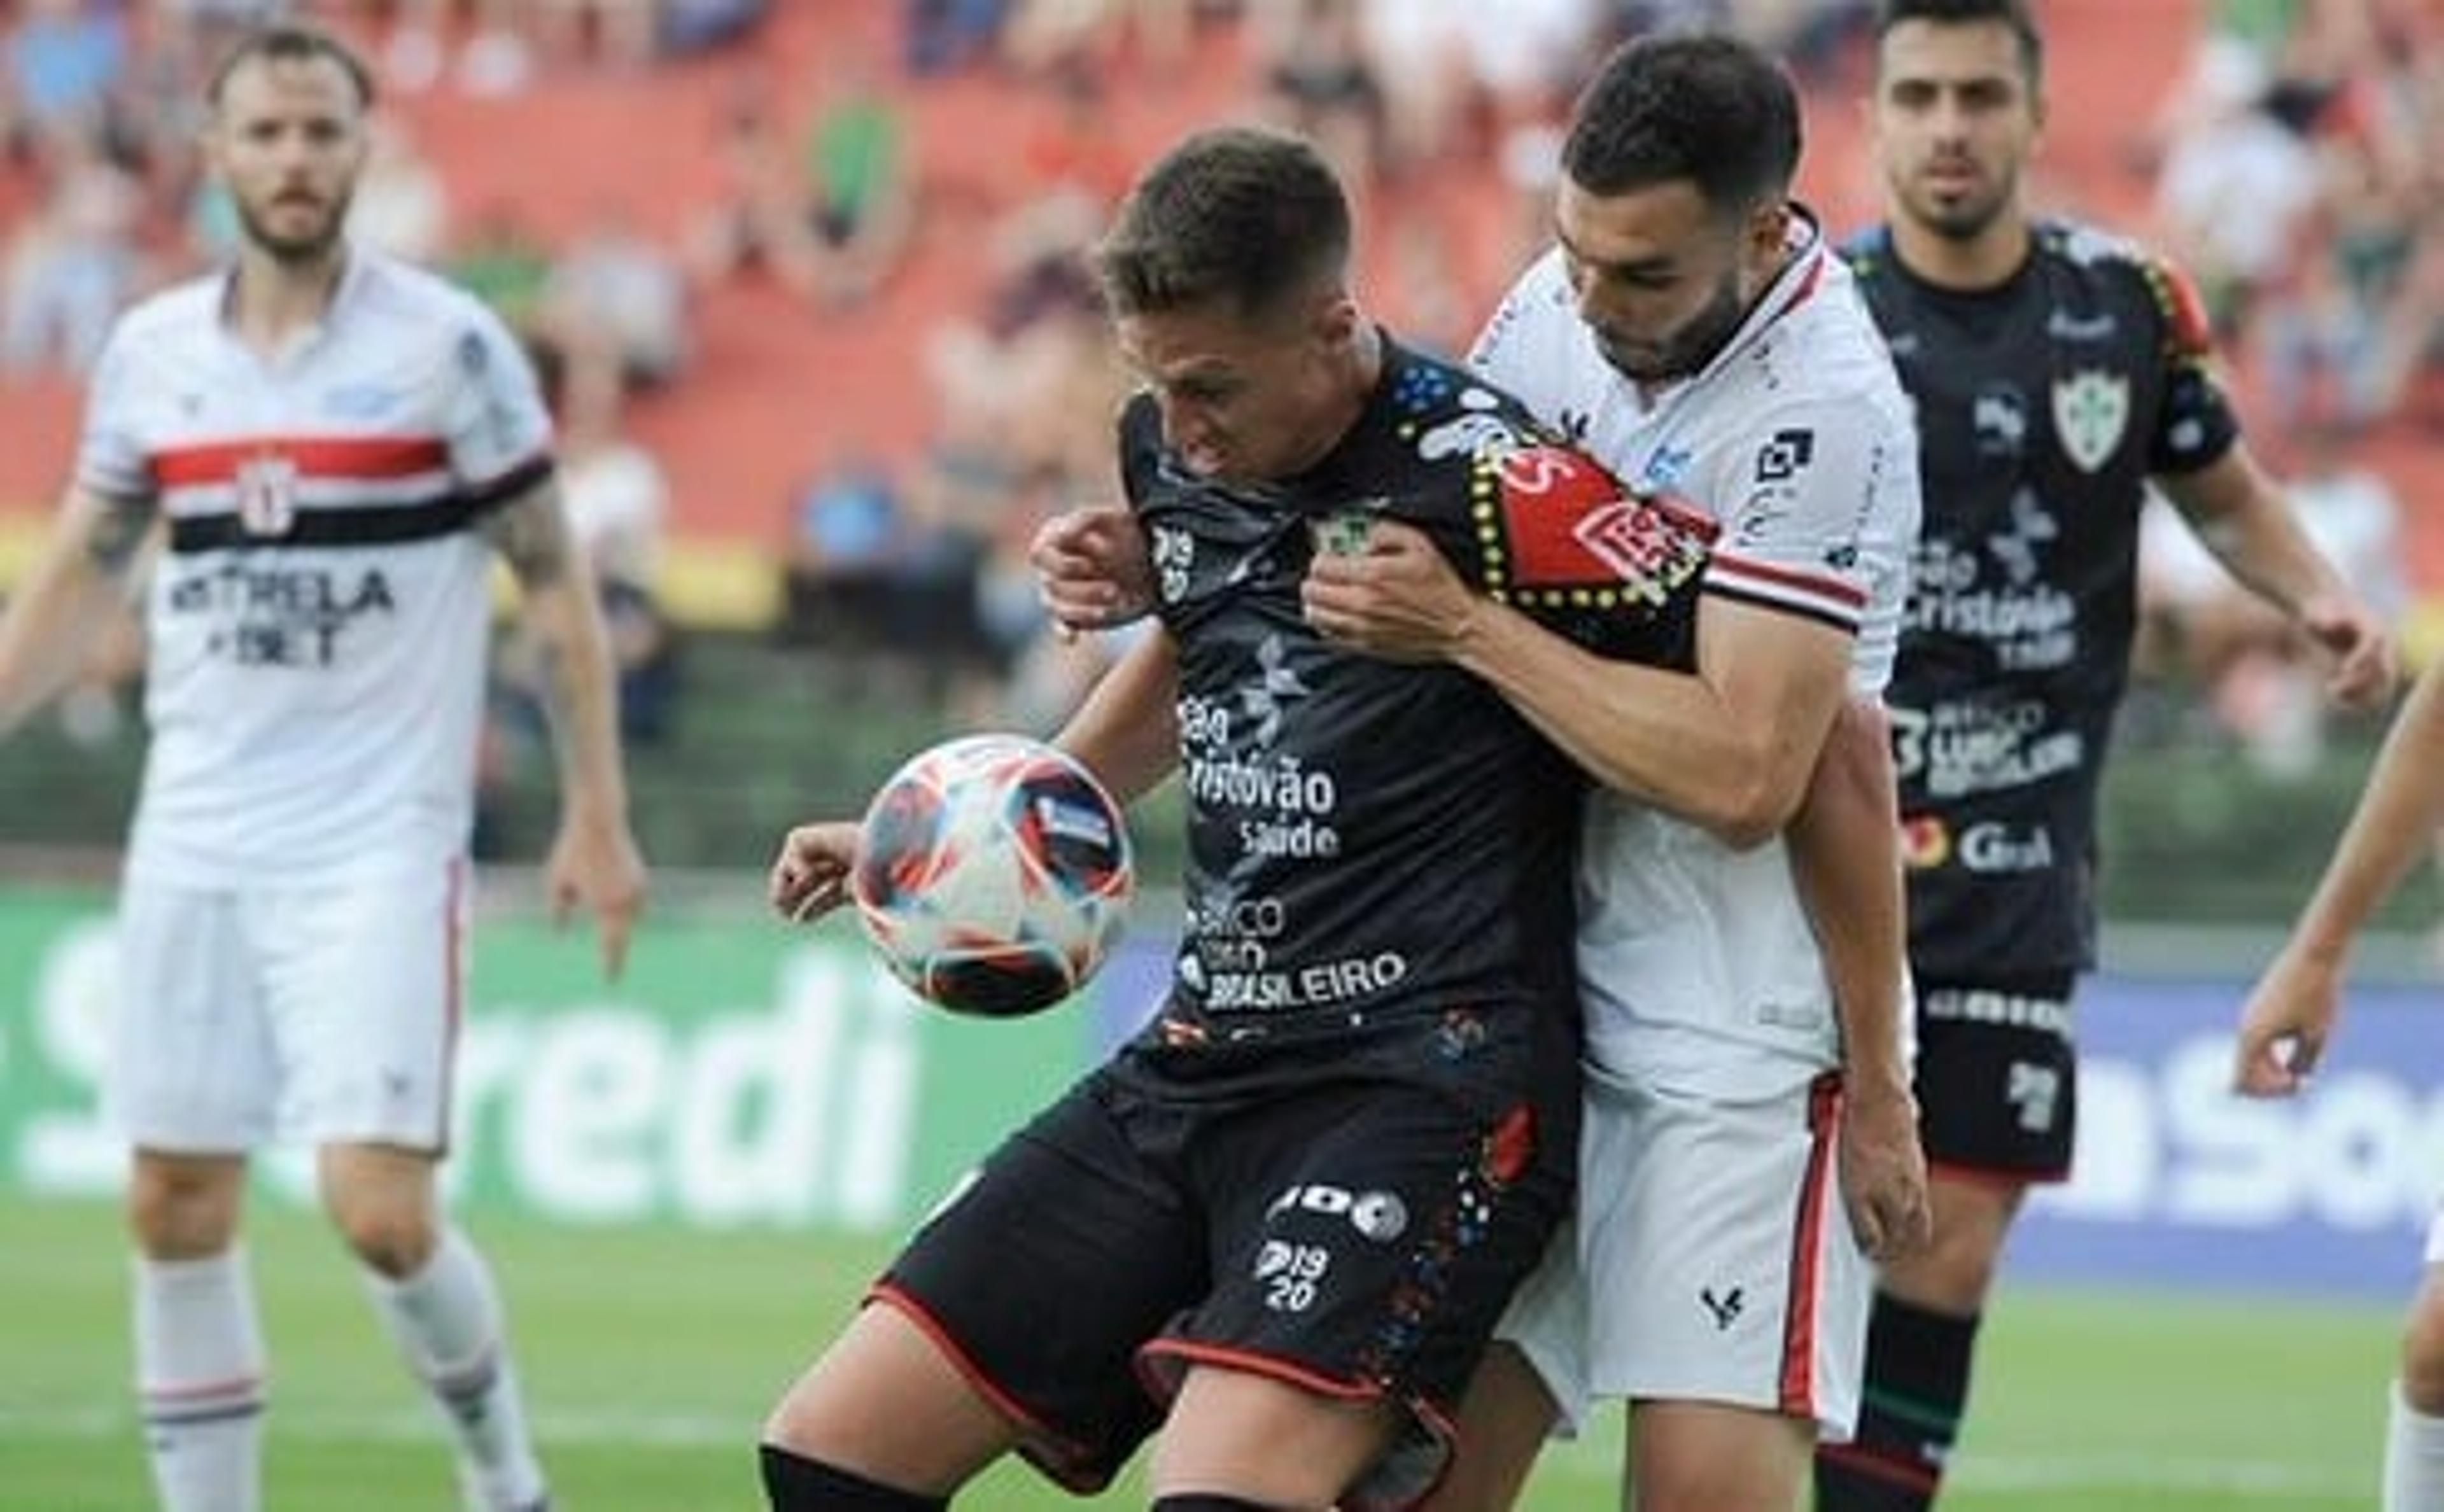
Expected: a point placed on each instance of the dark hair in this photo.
(291, 44)
(1239, 214)
(1711, 109)
(2012, 13)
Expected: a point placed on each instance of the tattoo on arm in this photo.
(532, 531)
(118, 531)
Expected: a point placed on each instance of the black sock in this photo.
(793, 1483)
(1909, 1414)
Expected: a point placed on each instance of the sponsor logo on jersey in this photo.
(2091, 410)
(1926, 842)
(1784, 455)
(2000, 419)
(1997, 849)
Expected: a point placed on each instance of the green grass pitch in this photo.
(651, 1354)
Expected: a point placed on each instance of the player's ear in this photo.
(1338, 320)
(1769, 229)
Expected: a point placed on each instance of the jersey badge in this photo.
(2091, 410)
(267, 495)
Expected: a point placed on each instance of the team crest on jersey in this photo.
(1568, 528)
(267, 495)
(2091, 410)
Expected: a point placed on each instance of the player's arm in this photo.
(1845, 858)
(2288, 1018)
(2247, 523)
(594, 858)
(1730, 748)
(75, 586)
(1127, 729)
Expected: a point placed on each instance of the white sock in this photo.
(447, 1322)
(199, 1382)
(2413, 1459)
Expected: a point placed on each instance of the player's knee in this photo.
(183, 1211)
(793, 1483)
(2422, 1356)
(393, 1239)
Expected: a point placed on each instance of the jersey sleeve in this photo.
(2196, 423)
(495, 422)
(1820, 509)
(111, 457)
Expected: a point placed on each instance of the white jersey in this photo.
(318, 624)
(1700, 971)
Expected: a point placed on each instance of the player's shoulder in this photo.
(2131, 270)
(388, 285)
(1448, 407)
(177, 312)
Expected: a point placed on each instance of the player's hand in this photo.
(810, 876)
(1092, 568)
(2365, 661)
(1884, 1169)
(1396, 597)
(595, 864)
(2285, 1024)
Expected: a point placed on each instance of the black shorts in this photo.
(1998, 1077)
(1359, 1238)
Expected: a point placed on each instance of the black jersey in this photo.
(1371, 844)
(2044, 406)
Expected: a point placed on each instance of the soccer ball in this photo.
(993, 874)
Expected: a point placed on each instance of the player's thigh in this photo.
(1720, 1263)
(1266, 1440)
(2422, 1334)
(1715, 1457)
(887, 1401)
(1503, 1419)
(1042, 1277)
(192, 1067)
(1366, 1237)
(1999, 1078)
(365, 983)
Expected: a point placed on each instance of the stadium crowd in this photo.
(2326, 272)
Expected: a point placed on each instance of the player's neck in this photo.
(1987, 260)
(274, 301)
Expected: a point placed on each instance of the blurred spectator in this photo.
(828, 218)
(503, 263)
(1044, 38)
(615, 307)
(400, 206)
(72, 264)
(496, 60)
(625, 32)
(1318, 79)
(617, 501)
(941, 36)
(698, 25)
(66, 59)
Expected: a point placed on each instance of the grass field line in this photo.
(2270, 1482)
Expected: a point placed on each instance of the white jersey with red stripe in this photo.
(317, 626)
(1700, 971)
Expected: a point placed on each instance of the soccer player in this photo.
(1289, 1213)
(324, 444)
(1695, 333)
(2291, 1015)
(2057, 373)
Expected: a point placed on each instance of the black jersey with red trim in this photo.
(2044, 406)
(1374, 845)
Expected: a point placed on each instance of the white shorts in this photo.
(325, 1013)
(1714, 1261)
